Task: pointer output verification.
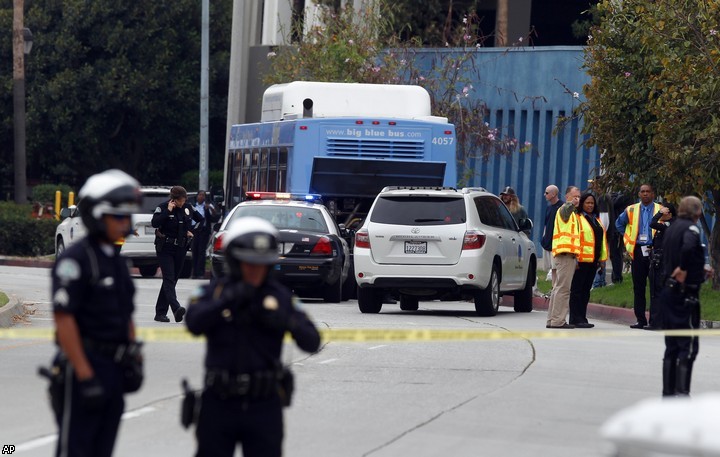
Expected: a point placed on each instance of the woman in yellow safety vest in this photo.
(593, 252)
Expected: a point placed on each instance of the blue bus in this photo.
(346, 159)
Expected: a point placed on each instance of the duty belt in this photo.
(258, 384)
(175, 241)
(116, 351)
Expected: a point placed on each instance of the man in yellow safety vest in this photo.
(634, 223)
(565, 249)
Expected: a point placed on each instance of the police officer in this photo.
(173, 221)
(202, 230)
(660, 222)
(244, 317)
(684, 261)
(92, 297)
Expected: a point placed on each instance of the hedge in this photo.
(21, 235)
(45, 193)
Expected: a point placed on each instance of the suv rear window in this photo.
(423, 210)
(152, 201)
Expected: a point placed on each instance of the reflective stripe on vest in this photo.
(633, 226)
(566, 236)
(587, 242)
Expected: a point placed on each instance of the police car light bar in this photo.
(282, 196)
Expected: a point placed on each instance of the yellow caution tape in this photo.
(354, 335)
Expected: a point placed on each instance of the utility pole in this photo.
(20, 163)
(501, 23)
(204, 93)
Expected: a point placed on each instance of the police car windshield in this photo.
(286, 217)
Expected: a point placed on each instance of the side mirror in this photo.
(70, 211)
(525, 225)
(216, 227)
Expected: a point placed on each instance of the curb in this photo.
(26, 262)
(9, 311)
(603, 312)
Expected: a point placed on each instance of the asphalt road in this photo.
(511, 397)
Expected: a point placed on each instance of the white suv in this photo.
(443, 243)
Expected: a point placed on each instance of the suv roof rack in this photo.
(467, 190)
(389, 188)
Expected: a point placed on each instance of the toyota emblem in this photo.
(415, 230)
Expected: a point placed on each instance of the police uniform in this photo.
(657, 274)
(92, 283)
(681, 308)
(171, 244)
(242, 400)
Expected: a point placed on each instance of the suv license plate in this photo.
(416, 247)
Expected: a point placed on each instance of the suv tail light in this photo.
(362, 239)
(322, 247)
(217, 244)
(473, 240)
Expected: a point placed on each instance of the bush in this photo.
(21, 235)
(45, 193)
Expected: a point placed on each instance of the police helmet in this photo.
(251, 240)
(112, 192)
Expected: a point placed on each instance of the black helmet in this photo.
(508, 191)
(109, 192)
(251, 240)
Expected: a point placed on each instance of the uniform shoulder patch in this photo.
(61, 298)
(187, 211)
(270, 303)
(158, 210)
(68, 270)
(694, 228)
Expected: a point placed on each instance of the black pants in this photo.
(677, 315)
(580, 291)
(255, 424)
(83, 433)
(199, 246)
(171, 259)
(640, 272)
(657, 282)
(616, 258)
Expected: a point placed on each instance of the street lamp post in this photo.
(22, 44)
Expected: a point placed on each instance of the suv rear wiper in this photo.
(429, 220)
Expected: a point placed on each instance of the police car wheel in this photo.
(333, 292)
(59, 248)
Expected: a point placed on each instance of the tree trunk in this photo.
(501, 23)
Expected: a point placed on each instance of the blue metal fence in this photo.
(526, 90)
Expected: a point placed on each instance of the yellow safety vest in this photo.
(566, 236)
(587, 242)
(633, 226)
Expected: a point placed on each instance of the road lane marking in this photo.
(327, 361)
(377, 347)
(50, 439)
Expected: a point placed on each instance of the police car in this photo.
(426, 243)
(139, 247)
(314, 256)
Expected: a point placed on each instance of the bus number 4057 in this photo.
(442, 140)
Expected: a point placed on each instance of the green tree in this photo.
(116, 84)
(652, 104)
(362, 47)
